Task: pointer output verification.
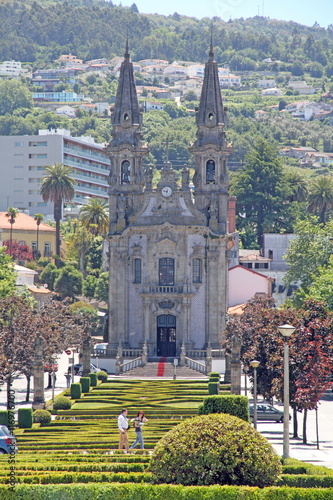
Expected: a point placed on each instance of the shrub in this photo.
(215, 449)
(4, 420)
(93, 379)
(214, 375)
(61, 403)
(85, 384)
(232, 404)
(42, 416)
(76, 390)
(25, 418)
(102, 375)
(213, 388)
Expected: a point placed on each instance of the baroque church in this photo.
(168, 245)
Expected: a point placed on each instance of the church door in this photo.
(166, 335)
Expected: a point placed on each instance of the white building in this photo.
(11, 68)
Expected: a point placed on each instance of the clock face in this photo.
(166, 191)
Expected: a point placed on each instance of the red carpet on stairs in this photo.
(160, 367)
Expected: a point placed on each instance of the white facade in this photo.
(245, 283)
(11, 68)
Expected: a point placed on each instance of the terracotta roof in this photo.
(246, 269)
(23, 222)
(253, 257)
(237, 310)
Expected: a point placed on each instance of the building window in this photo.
(137, 271)
(18, 144)
(197, 270)
(47, 249)
(125, 172)
(210, 172)
(166, 271)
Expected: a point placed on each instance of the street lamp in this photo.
(286, 331)
(255, 365)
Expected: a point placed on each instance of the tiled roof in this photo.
(23, 222)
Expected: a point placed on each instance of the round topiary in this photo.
(102, 375)
(215, 449)
(61, 403)
(42, 416)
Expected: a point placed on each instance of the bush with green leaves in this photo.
(76, 390)
(102, 375)
(61, 403)
(238, 406)
(215, 449)
(4, 420)
(85, 384)
(213, 387)
(42, 416)
(25, 418)
(93, 379)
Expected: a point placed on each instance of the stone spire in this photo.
(126, 116)
(210, 117)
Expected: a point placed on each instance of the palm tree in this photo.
(94, 216)
(11, 214)
(320, 197)
(57, 186)
(298, 187)
(38, 218)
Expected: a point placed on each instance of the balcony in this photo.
(167, 289)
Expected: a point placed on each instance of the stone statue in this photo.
(185, 177)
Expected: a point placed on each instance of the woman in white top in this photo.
(139, 420)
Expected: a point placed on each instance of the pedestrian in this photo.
(139, 420)
(123, 427)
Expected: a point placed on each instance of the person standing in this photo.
(123, 427)
(138, 424)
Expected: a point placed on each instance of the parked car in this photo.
(78, 368)
(7, 441)
(101, 347)
(267, 412)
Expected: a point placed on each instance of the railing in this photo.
(195, 365)
(130, 365)
(167, 289)
(129, 353)
(217, 353)
(197, 353)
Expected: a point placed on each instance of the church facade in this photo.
(168, 245)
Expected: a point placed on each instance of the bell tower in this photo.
(125, 150)
(210, 151)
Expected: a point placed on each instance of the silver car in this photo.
(267, 412)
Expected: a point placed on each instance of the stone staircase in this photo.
(153, 369)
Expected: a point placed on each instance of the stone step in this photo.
(154, 369)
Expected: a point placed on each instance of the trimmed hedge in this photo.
(4, 420)
(85, 384)
(25, 418)
(76, 390)
(61, 403)
(159, 492)
(93, 379)
(231, 404)
(102, 375)
(42, 416)
(213, 388)
(305, 481)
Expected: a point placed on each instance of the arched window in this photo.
(197, 271)
(166, 271)
(125, 172)
(137, 271)
(210, 172)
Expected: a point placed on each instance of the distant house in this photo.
(66, 111)
(317, 159)
(57, 96)
(152, 105)
(301, 87)
(245, 283)
(296, 152)
(229, 80)
(11, 68)
(272, 91)
(26, 277)
(266, 84)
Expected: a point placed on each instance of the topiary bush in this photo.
(238, 406)
(42, 416)
(93, 379)
(102, 375)
(61, 403)
(213, 387)
(215, 449)
(76, 390)
(5, 418)
(25, 418)
(85, 384)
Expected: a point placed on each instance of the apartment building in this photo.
(24, 157)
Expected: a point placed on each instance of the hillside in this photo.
(39, 31)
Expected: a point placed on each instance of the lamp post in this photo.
(254, 365)
(286, 331)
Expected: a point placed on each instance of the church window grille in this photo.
(137, 272)
(210, 172)
(166, 271)
(197, 270)
(125, 172)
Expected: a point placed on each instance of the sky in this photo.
(305, 12)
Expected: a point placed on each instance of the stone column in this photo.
(86, 352)
(235, 365)
(38, 371)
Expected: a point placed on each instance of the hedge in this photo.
(76, 391)
(93, 379)
(232, 404)
(159, 492)
(4, 417)
(102, 375)
(85, 384)
(25, 418)
(306, 481)
(213, 388)
(42, 416)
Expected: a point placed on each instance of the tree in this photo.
(260, 188)
(78, 244)
(14, 95)
(57, 186)
(94, 216)
(69, 282)
(11, 213)
(38, 218)
(49, 275)
(19, 251)
(320, 197)
(298, 187)
(102, 287)
(7, 274)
